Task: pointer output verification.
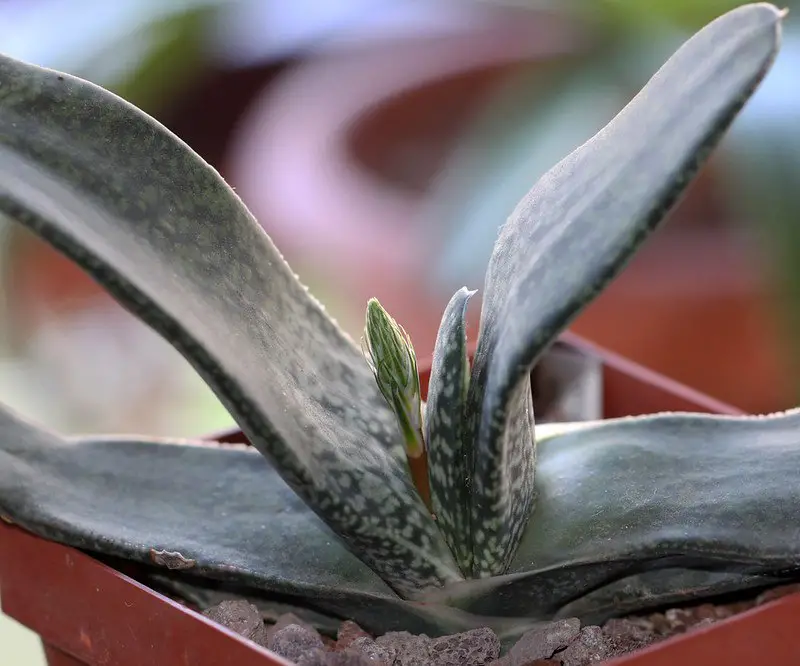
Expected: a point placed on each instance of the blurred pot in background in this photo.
(216, 55)
(338, 157)
(77, 357)
(67, 350)
(386, 164)
(763, 168)
(696, 295)
(382, 143)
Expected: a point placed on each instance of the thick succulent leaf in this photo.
(576, 229)
(662, 588)
(448, 469)
(622, 497)
(244, 528)
(502, 491)
(159, 228)
(223, 506)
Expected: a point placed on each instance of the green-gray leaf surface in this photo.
(448, 469)
(574, 232)
(624, 496)
(223, 506)
(161, 231)
(623, 499)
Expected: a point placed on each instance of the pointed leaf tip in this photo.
(445, 425)
(390, 354)
(575, 231)
(147, 218)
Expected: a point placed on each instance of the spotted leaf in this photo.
(713, 499)
(448, 468)
(574, 232)
(146, 217)
(245, 531)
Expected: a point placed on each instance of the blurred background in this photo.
(381, 143)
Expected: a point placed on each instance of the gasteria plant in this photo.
(329, 519)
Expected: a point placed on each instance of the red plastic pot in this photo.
(88, 613)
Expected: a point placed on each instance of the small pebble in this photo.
(410, 650)
(240, 616)
(344, 658)
(294, 641)
(589, 647)
(285, 620)
(367, 646)
(348, 632)
(542, 642)
(477, 647)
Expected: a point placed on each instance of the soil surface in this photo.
(558, 643)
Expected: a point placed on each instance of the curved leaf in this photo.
(129, 202)
(448, 466)
(576, 229)
(222, 506)
(662, 588)
(623, 497)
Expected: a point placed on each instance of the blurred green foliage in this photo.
(171, 61)
(633, 14)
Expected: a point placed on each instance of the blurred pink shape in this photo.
(292, 158)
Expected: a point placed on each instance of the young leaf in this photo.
(574, 232)
(390, 355)
(448, 468)
(158, 227)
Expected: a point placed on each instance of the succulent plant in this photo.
(324, 515)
